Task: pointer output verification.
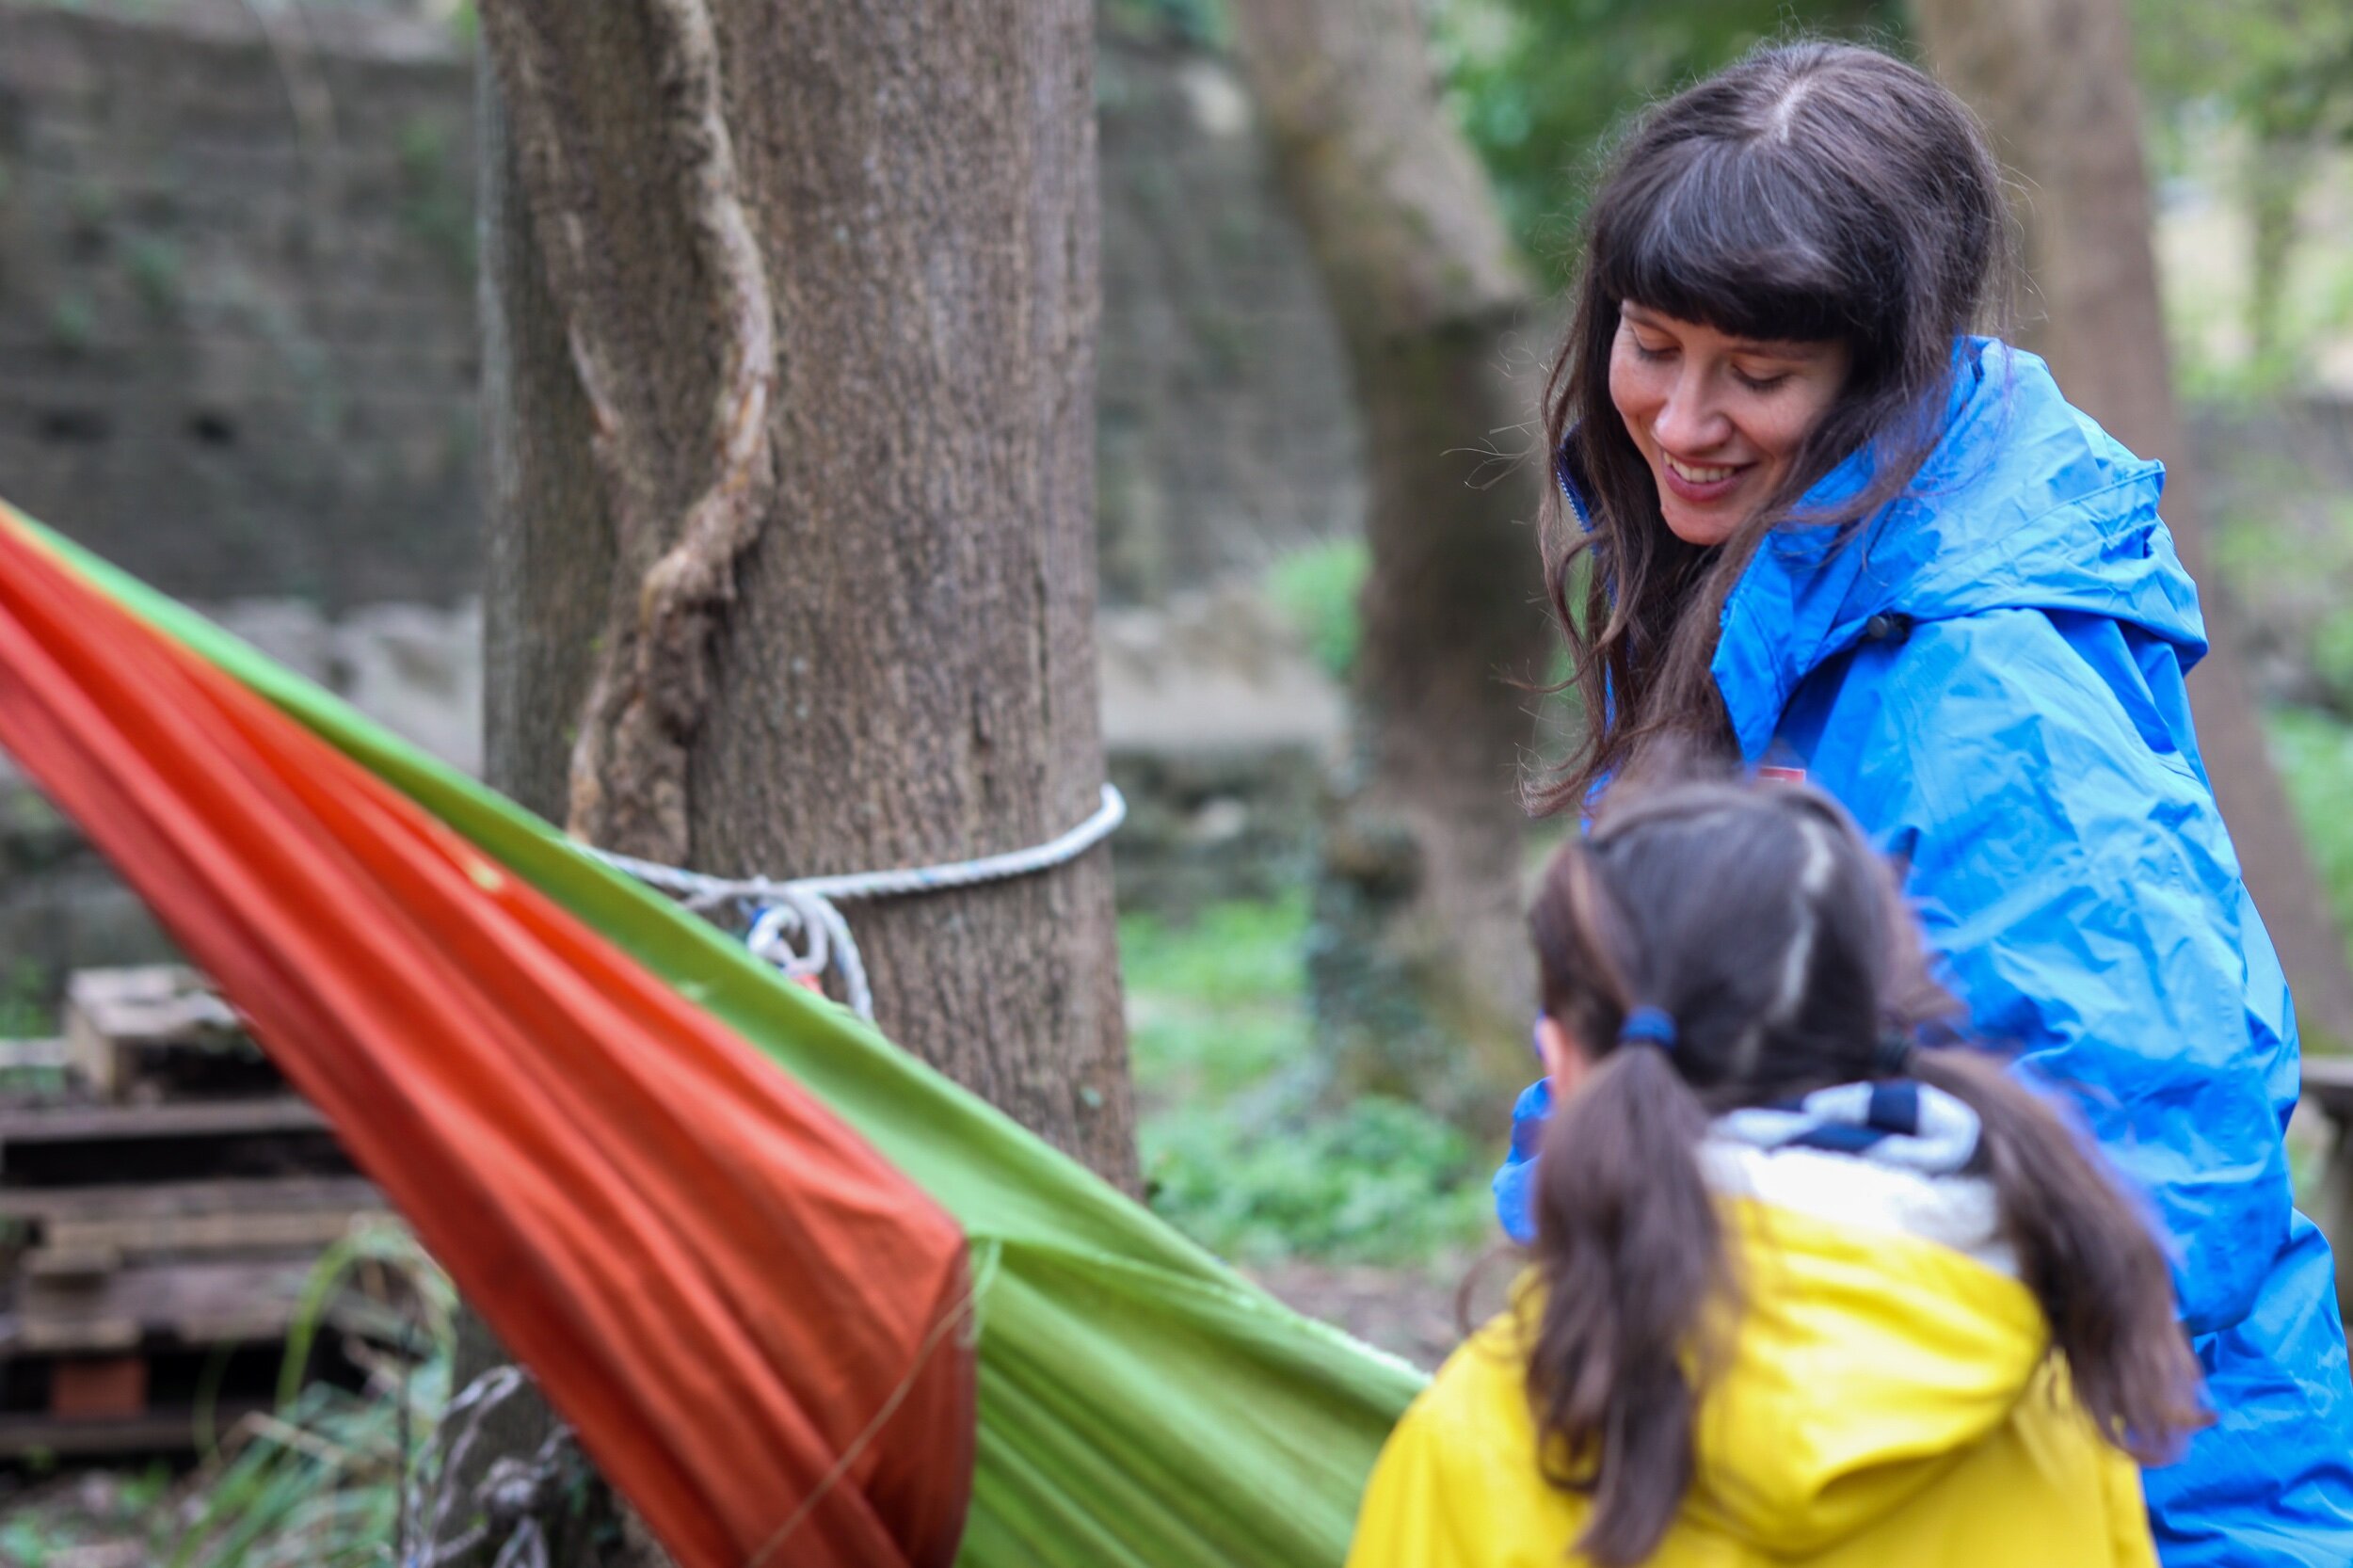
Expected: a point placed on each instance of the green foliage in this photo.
(25, 1012)
(2284, 68)
(1376, 1182)
(26, 1015)
(153, 264)
(1216, 1005)
(1539, 86)
(99, 1509)
(436, 203)
(2282, 546)
(2314, 754)
(74, 321)
(30, 1542)
(1316, 589)
(2248, 96)
(316, 1485)
(1241, 1150)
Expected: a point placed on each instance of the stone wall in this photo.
(1225, 429)
(237, 357)
(236, 326)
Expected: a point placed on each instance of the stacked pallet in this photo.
(164, 1205)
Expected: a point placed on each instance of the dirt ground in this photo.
(1408, 1312)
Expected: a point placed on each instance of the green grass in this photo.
(1241, 1149)
(1375, 1181)
(316, 1485)
(319, 1483)
(1216, 1005)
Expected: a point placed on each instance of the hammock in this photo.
(803, 1300)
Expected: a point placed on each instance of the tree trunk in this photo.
(1419, 958)
(789, 316)
(2052, 79)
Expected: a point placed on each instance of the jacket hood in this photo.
(1869, 1352)
(2024, 503)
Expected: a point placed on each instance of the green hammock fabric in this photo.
(1141, 1406)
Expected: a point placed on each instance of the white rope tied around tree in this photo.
(808, 907)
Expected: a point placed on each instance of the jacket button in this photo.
(1884, 626)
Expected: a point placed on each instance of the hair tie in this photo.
(1648, 1025)
(1893, 1059)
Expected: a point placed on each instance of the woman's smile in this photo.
(1699, 483)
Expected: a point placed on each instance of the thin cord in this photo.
(949, 1320)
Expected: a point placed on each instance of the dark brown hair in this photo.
(1814, 192)
(1758, 920)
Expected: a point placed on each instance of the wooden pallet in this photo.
(161, 1223)
(81, 1302)
(81, 1143)
(158, 1031)
(303, 1212)
(174, 1430)
(2328, 1088)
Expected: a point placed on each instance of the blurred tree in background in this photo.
(1421, 969)
(2279, 72)
(2054, 84)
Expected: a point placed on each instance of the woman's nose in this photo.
(1692, 420)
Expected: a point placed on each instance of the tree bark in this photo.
(1420, 962)
(2052, 79)
(789, 316)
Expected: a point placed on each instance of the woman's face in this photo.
(1719, 418)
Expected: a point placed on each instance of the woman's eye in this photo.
(1644, 350)
(1760, 383)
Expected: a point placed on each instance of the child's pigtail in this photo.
(1631, 1252)
(2087, 1254)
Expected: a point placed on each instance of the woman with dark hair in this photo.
(1806, 521)
(1800, 1291)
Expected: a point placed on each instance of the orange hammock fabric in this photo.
(756, 1325)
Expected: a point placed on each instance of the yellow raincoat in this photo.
(1887, 1401)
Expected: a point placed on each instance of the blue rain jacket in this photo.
(1990, 675)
